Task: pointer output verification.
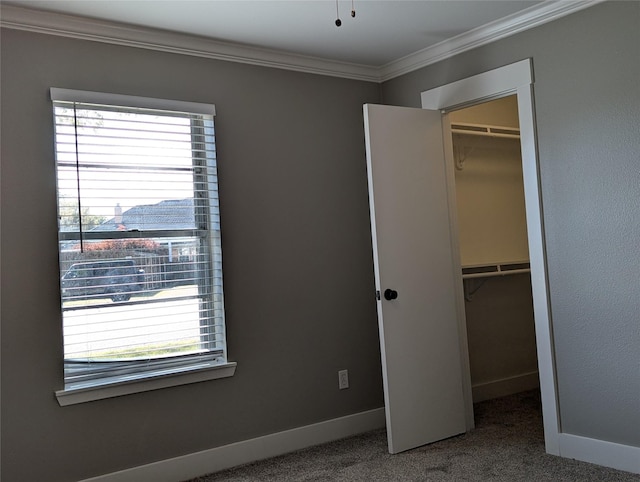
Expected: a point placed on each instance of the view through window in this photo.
(139, 237)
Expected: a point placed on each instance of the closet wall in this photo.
(493, 236)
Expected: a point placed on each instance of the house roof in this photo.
(172, 214)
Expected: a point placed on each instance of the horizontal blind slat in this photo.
(142, 277)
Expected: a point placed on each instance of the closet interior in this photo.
(494, 255)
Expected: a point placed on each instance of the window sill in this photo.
(118, 386)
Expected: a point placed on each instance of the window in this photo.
(139, 244)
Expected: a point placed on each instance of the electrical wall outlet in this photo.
(343, 379)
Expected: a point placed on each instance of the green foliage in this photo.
(69, 216)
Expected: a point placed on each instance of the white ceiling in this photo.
(382, 33)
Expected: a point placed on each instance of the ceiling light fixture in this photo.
(353, 13)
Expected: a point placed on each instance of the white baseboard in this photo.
(505, 386)
(608, 454)
(220, 458)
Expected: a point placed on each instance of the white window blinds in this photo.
(139, 237)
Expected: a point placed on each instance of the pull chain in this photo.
(353, 13)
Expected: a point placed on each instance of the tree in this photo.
(69, 216)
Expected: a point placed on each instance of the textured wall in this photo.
(500, 331)
(297, 256)
(587, 102)
(298, 270)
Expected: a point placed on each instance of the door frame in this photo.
(516, 78)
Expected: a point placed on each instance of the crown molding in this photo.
(83, 28)
(505, 27)
(153, 39)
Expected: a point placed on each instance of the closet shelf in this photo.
(465, 130)
(498, 269)
(485, 130)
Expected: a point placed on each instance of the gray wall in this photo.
(297, 247)
(501, 336)
(297, 256)
(587, 97)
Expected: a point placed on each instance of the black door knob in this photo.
(390, 294)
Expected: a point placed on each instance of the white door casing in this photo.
(421, 357)
(516, 78)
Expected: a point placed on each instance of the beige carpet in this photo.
(506, 445)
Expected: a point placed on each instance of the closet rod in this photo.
(466, 128)
(489, 274)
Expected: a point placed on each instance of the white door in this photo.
(413, 257)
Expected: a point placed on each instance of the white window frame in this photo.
(171, 374)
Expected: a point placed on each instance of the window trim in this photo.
(118, 385)
(162, 377)
(86, 96)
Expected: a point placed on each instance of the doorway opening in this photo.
(493, 247)
(423, 337)
(516, 78)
